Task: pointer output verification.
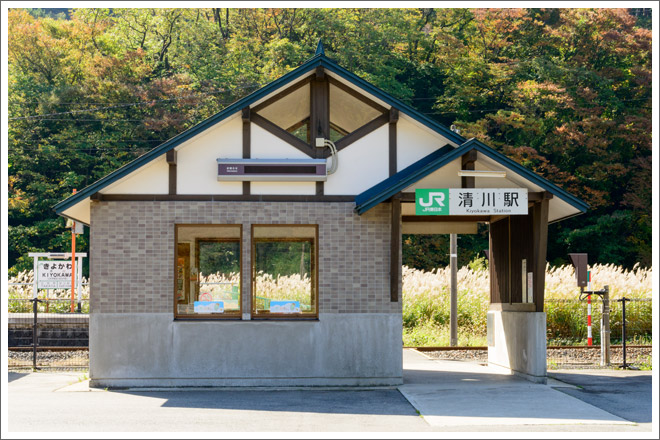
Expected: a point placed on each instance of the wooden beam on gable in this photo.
(469, 158)
(467, 163)
(220, 198)
(245, 116)
(361, 132)
(538, 196)
(357, 95)
(170, 156)
(282, 134)
(319, 115)
(319, 110)
(394, 118)
(283, 93)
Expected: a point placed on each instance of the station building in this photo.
(262, 247)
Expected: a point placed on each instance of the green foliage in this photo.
(430, 334)
(566, 322)
(478, 264)
(426, 252)
(283, 258)
(219, 257)
(608, 239)
(565, 92)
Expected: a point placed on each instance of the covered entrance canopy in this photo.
(517, 243)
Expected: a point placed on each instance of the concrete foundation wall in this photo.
(141, 349)
(517, 342)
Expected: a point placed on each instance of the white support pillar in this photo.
(79, 279)
(453, 306)
(35, 272)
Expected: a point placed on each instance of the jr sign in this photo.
(471, 201)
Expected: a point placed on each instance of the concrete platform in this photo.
(467, 394)
(446, 396)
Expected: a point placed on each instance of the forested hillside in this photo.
(565, 92)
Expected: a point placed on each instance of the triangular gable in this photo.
(319, 60)
(438, 159)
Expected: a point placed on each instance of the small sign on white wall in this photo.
(524, 280)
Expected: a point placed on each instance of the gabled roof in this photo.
(436, 160)
(317, 60)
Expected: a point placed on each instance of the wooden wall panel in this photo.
(499, 261)
(522, 247)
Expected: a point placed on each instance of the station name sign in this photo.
(54, 275)
(471, 201)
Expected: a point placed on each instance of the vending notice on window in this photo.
(54, 275)
(471, 201)
(285, 306)
(209, 307)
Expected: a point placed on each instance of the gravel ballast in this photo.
(564, 357)
(77, 359)
(558, 357)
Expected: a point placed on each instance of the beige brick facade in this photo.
(132, 251)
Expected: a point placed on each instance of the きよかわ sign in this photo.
(53, 274)
(471, 201)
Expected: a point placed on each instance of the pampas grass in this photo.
(426, 301)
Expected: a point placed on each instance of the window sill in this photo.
(208, 318)
(284, 318)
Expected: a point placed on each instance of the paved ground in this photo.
(625, 393)
(449, 396)
(51, 397)
(468, 396)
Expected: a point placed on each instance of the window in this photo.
(208, 271)
(284, 271)
(301, 130)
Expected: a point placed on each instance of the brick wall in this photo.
(132, 251)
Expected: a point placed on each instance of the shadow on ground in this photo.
(12, 376)
(625, 394)
(367, 402)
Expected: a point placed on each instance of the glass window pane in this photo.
(208, 270)
(284, 271)
(218, 273)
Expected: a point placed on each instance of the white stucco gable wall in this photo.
(151, 178)
(415, 141)
(197, 167)
(362, 165)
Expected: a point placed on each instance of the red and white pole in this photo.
(590, 340)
